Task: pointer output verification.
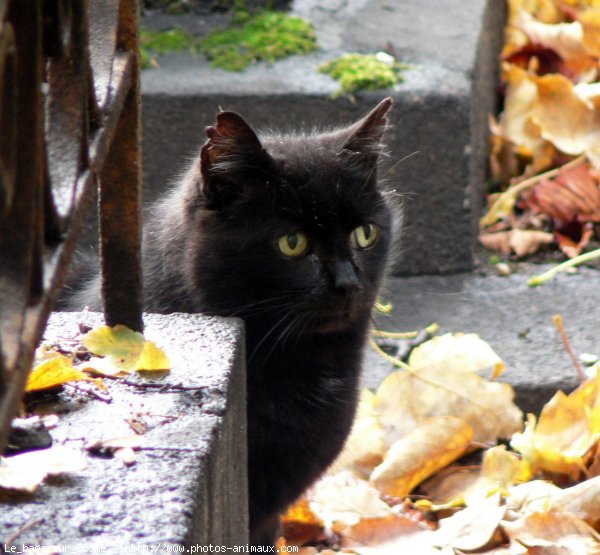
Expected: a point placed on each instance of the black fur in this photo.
(212, 246)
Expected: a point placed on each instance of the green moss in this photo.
(364, 72)
(267, 36)
(154, 43)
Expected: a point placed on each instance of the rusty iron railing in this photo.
(69, 125)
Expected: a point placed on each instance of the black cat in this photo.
(290, 233)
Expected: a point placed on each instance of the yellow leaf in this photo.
(459, 351)
(568, 427)
(433, 445)
(543, 10)
(444, 388)
(101, 367)
(582, 500)
(568, 119)
(119, 344)
(472, 528)
(365, 445)
(450, 487)
(554, 532)
(152, 358)
(300, 525)
(516, 123)
(566, 39)
(500, 470)
(52, 372)
(590, 20)
(124, 350)
(504, 468)
(531, 496)
(502, 207)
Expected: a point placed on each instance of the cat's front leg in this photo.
(265, 532)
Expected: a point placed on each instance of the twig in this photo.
(395, 361)
(100, 396)
(183, 449)
(384, 308)
(431, 329)
(20, 531)
(558, 322)
(546, 276)
(162, 386)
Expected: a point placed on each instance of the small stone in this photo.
(503, 269)
(385, 58)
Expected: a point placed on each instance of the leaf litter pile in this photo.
(545, 158)
(438, 462)
(102, 353)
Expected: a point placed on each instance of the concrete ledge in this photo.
(439, 141)
(190, 489)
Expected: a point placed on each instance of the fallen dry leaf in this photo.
(566, 39)
(54, 371)
(565, 116)
(571, 247)
(473, 528)
(395, 533)
(124, 349)
(520, 241)
(365, 446)
(567, 429)
(26, 471)
(572, 200)
(582, 500)
(463, 352)
(433, 445)
(300, 525)
(552, 532)
(343, 500)
(444, 388)
(516, 124)
(500, 470)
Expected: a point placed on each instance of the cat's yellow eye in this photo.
(364, 236)
(293, 244)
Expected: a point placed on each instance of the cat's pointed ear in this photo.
(232, 147)
(364, 137)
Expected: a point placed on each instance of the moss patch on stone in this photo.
(155, 43)
(267, 36)
(364, 72)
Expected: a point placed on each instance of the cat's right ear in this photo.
(231, 152)
(364, 137)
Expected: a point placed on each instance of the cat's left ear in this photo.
(231, 154)
(364, 137)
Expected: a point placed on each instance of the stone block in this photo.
(188, 485)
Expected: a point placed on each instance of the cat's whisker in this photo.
(268, 335)
(258, 307)
(403, 159)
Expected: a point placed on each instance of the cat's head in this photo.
(292, 229)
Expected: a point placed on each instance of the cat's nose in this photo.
(345, 278)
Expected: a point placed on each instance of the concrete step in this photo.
(188, 488)
(515, 319)
(438, 143)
